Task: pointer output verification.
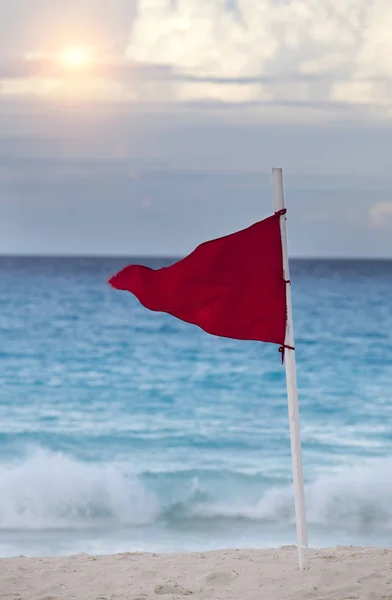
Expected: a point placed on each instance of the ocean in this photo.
(124, 430)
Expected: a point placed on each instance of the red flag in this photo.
(231, 287)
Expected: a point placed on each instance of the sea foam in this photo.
(47, 490)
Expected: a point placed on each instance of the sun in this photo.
(75, 57)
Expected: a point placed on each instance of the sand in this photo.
(338, 574)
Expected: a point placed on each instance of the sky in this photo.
(144, 127)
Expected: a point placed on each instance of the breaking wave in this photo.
(48, 490)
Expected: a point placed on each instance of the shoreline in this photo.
(340, 573)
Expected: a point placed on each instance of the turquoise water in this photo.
(122, 429)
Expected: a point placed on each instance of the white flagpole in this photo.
(292, 391)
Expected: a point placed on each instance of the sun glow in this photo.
(76, 58)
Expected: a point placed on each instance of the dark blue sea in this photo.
(124, 430)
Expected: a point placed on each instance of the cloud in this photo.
(304, 50)
(113, 78)
(107, 78)
(381, 214)
(207, 37)
(292, 59)
(109, 67)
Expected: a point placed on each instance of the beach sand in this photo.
(337, 574)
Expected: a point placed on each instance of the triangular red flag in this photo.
(231, 287)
